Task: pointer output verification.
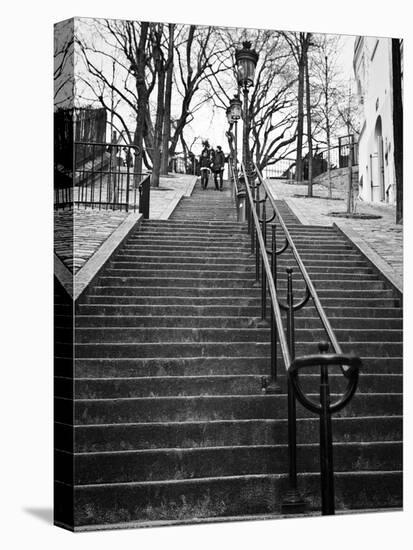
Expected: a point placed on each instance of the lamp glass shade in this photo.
(246, 60)
(235, 106)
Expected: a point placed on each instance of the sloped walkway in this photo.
(381, 240)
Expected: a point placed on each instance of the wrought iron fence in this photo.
(107, 180)
(335, 157)
(282, 169)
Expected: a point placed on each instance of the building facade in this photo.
(373, 72)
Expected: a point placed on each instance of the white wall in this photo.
(373, 70)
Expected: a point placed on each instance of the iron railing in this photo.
(266, 277)
(106, 180)
(335, 157)
(282, 169)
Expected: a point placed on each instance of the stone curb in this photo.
(190, 187)
(96, 262)
(63, 275)
(76, 284)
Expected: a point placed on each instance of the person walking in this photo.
(204, 164)
(218, 163)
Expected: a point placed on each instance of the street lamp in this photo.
(235, 107)
(246, 60)
(234, 112)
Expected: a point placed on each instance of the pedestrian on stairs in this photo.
(204, 164)
(218, 163)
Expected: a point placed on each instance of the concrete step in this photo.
(234, 279)
(225, 288)
(122, 334)
(226, 407)
(185, 274)
(165, 311)
(202, 271)
(182, 247)
(177, 314)
(249, 266)
(249, 299)
(232, 319)
(114, 437)
(217, 349)
(162, 335)
(99, 388)
(218, 497)
(201, 366)
(160, 465)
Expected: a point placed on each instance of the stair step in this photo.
(227, 407)
(221, 497)
(227, 299)
(123, 335)
(102, 388)
(232, 319)
(113, 437)
(201, 366)
(160, 465)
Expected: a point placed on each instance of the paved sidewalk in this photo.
(166, 197)
(80, 233)
(380, 239)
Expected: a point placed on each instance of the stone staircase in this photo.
(171, 423)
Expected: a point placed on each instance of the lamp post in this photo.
(246, 60)
(234, 113)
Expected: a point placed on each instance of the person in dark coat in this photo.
(205, 165)
(217, 164)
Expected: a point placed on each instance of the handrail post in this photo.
(252, 206)
(273, 385)
(326, 442)
(293, 501)
(127, 186)
(144, 194)
(257, 259)
(263, 274)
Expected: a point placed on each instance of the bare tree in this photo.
(201, 56)
(309, 109)
(64, 64)
(329, 89)
(299, 44)
(168, 98)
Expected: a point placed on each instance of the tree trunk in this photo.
(300, 123)
(398, 126)
(142, 102)
(327, 113)
(309, 134)
(160, 108)
(168, 96)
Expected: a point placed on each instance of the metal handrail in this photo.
(271, 286)
(350, 364)
(320, 310)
